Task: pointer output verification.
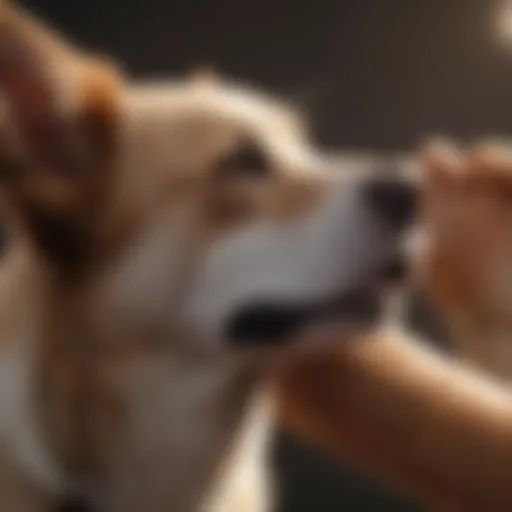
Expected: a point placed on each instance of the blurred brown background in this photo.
(370, 74)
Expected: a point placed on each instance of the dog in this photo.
(465, 264)
(170, 241)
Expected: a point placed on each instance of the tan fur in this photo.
(104, 371)
(120, 193)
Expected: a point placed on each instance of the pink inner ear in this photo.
(33, 104)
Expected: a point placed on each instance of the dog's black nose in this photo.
(393, 198)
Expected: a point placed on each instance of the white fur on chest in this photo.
(185, 431)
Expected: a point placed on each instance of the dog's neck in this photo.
(120, 418)
(185, 417)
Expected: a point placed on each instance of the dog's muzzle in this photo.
(271, 323)
(392, 201)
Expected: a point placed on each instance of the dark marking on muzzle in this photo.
(268, 323)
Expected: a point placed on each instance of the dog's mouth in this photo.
(271, 323)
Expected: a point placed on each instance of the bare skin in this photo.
(429, 426)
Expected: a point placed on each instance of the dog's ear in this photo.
(441, 161)
(60, 105)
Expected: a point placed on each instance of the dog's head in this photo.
(468, 269)
(193, 210)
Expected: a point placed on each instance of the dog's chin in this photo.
(267, 324)
(270, 323)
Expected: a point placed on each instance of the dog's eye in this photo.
(247, 160)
